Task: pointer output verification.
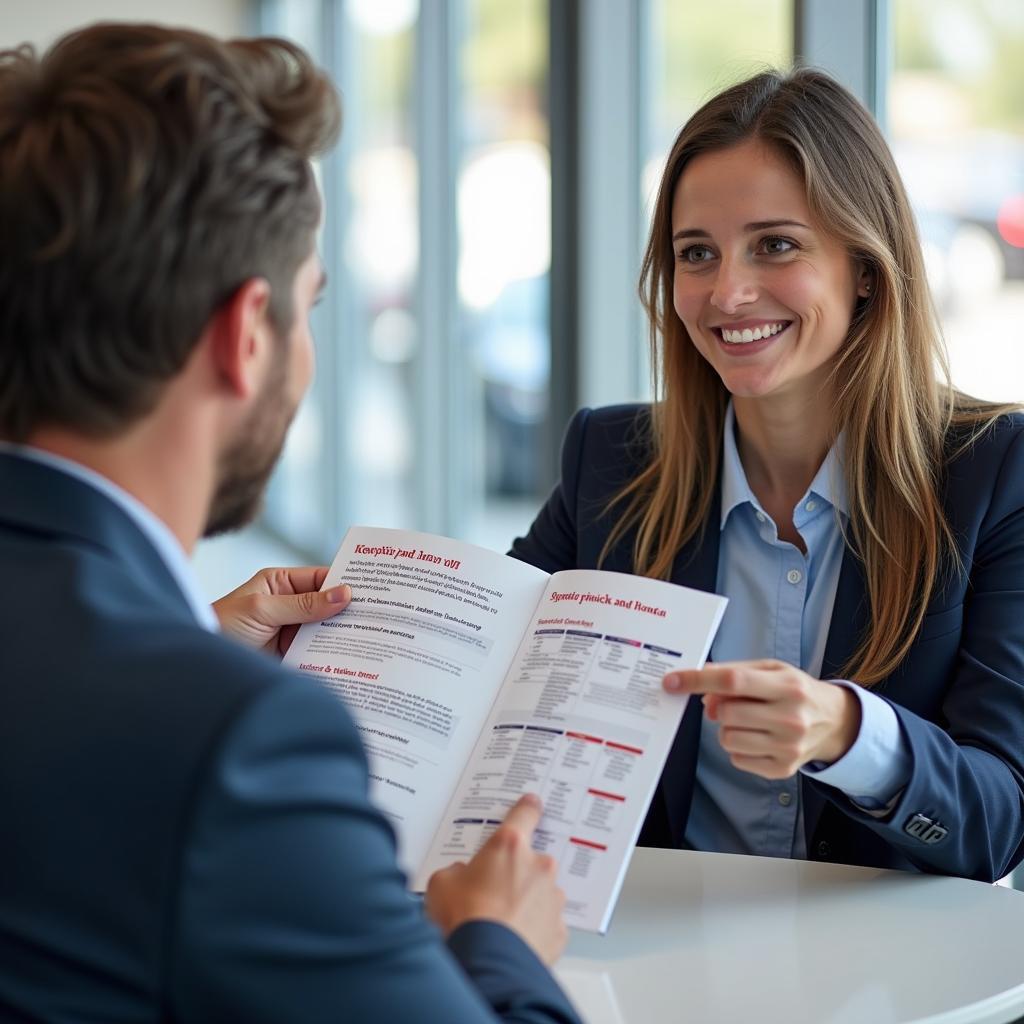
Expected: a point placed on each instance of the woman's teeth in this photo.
(748, 335)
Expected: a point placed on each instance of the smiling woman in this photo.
(803, 458)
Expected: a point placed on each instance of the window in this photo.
(504, 257)
(433, 346)
(694, 51)
(956, 123)
(350, 453)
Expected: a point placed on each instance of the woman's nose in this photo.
(735, 286)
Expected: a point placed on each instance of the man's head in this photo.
(150, 180)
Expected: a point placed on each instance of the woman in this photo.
(865, 700)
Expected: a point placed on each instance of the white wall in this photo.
(40, 22)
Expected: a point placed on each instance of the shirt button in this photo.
(760, 516)
(785, 799)
(811, 505)
(794, 576)
(824, 850)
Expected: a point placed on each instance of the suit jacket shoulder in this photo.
(188, 833)
(983, 475)
(602, 452)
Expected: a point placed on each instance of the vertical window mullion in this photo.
(842, 39)
(610, 214)
(438, 482)
(335, 371)
(564, 106)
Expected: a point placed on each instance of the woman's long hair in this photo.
(887, 394)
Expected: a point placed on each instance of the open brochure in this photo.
(475, 678)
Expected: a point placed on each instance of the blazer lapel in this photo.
(849, 620)
(696, 566)
(849, 616)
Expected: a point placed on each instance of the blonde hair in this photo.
(889, 401)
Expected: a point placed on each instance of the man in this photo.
(186, 830)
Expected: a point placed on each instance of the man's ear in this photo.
(240, 335)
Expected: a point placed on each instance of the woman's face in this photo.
(764, 293)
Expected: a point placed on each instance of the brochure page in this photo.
(582, 720)
(418, 656)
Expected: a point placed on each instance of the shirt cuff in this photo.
(877, 767)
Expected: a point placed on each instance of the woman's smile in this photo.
(748, 337)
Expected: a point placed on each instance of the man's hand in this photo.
(267, 611)
(773, 718)
(505, 882)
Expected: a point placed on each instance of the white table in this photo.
(704, 938)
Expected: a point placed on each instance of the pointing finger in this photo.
(524, 814)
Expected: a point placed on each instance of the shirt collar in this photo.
(829, 483)
(154, 529)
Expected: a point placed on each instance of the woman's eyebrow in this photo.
(756, 225)
(761, 225)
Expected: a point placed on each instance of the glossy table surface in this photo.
(704, 937)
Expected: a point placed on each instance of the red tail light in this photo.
(1010, 221)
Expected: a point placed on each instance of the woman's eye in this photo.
(695, 254)
(774, 246)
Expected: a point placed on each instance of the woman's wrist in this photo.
(845, 724)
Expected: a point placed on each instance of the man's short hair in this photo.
(145, 174)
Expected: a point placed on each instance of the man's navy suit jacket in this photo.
(958, 694)
(185, 833)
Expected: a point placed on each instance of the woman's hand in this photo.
(773, 718)
(267, 611)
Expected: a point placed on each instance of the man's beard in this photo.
(246, 466)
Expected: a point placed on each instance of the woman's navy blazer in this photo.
(958, 694)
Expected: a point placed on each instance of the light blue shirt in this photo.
(154, 529)
(780, 606)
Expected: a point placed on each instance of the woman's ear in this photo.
(865, 281)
